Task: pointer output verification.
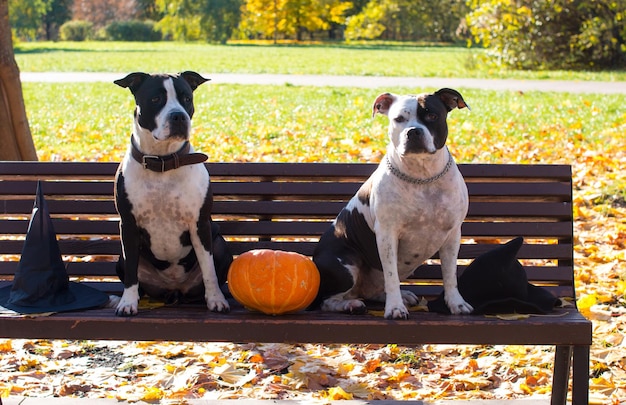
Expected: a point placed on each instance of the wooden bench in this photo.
(287, 206)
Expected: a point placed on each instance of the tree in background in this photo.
(558, 34)
(16, 141)
(26, 16)
(401, 20)
(147, 10)
(291, 18)
(210, 20)
(103, 12)
(60, 11)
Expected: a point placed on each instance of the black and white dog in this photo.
(412, 206)
(171, 248)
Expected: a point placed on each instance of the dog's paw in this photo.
(128, 304)
(458, 305)
(409, 299)
(126, 308)
(354, 307)
(217, 305)
(113, 301)
(396, 312)
(463, 309)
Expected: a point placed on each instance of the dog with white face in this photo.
(410, 208)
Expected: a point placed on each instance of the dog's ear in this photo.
(452, 99)
(193, 78)
(382, 103)
(132, 81)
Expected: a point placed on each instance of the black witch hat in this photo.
(496, 283)
(41, 283)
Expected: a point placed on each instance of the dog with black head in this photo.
(172, 250)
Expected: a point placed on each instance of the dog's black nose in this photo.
(416, 141)
(415, 133)
(179, 124)
(177, 116)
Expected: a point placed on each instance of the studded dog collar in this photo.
(412, 180)
(164, 163)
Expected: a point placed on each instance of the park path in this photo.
(360, 81)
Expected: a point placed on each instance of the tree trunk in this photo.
(16, 141)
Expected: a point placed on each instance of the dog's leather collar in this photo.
(405, 177)
(161, 164)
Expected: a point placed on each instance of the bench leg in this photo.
(560, 379)
(580, 377)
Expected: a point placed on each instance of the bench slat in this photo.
(230, 228)
(342, 170)
(112, 247)
(428, 272)
(491, 209)
(286, 188)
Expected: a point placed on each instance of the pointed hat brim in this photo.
(85, 297)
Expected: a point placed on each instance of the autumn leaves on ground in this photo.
(178, 371)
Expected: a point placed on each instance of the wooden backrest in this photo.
(287, 206)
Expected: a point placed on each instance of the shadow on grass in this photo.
(58, 47)
(43, 49)
(373, 46)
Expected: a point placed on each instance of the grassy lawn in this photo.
(374, 59)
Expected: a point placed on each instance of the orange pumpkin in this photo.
(273, 281)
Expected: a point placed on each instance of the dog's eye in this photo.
(399, 119)
(156, 99)
(187, 99)
(431, 117)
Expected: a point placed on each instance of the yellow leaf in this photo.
(28, 364)
(5, 391)
(337, 393)
(586, 301)
(525, 388)
(147, 303)
(16, 389)
(345, 368)
(170, 368)
(6, 346)
(153, 394)
(377, 313)
(516, 350)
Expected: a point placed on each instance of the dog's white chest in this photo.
(420, 218)
(167, 205)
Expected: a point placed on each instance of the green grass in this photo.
(377, 59)
(292, 123)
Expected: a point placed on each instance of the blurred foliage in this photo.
(542, 34)
(291, 18)
(407, 20)
(76, 30)
(133, 30)
(211, 20)
(26, 16)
